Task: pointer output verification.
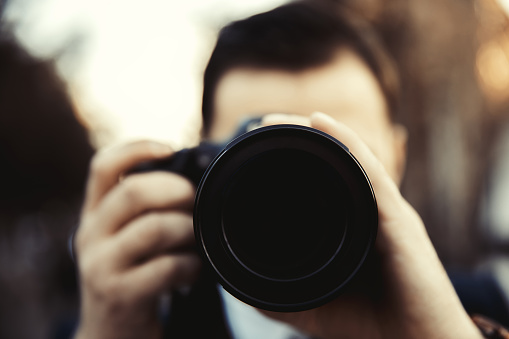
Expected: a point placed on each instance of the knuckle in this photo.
(176, 267)
(112, 292)
(187, 187)
(153, 230)
(111, 288)
(81, 237)
(95, 265)
(80, 241)
(181, 270)
(99, 165)
(101, 283)
(172, 270)
(89, 269)
(131, 188)
(186, 190)
(156, 225)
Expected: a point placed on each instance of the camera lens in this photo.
(291, 212)
(285, 217)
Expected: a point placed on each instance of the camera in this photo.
(284, 215)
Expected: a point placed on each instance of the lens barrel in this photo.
(286, 217)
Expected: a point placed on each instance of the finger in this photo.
(165, 272)
(280, 119)
(388, 196)
(107, 166)
(139, 193)
(152, 234)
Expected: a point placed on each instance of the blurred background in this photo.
(131, 70)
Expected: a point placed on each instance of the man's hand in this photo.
(134, 243)
(409, 295)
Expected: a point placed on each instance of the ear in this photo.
(400, 138)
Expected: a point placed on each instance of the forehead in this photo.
(345, 88)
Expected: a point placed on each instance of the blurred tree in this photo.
(453, 61)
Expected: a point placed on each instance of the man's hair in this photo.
(295, 37)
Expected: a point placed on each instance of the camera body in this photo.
(284, 215)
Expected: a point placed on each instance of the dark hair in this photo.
(294, 37)
(44, 157)
(44, 149)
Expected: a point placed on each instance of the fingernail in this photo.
(282, 118)
(160, 150)
(274, 118)
(323, 116)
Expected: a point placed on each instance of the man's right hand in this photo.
(134, 243)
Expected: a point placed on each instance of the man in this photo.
(135, 240)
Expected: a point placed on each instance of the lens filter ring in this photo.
(285, 216)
